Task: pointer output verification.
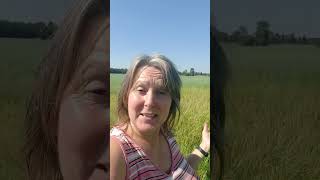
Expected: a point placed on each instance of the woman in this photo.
(142, 145)
(67, 113)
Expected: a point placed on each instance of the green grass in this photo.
(195, 110)
(273, 116)
(18, 58)
(272, 106)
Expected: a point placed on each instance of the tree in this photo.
(244, 37)
(292, 38)
(27, 30)
(276, 38)
(52, 28)
(185, 73)
(222, 36)
(239, 34)
(243, 31)
(192, 72)
(263, 33)
(235, 36)
(304, 39)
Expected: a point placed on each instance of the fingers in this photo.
(205, 127)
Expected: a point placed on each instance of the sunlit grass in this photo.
(272, 113)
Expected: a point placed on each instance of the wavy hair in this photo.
(172, 83)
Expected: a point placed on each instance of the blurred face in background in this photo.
(84, 111)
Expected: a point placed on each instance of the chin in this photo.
(99, 174)
(148, 128)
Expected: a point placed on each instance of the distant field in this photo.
(273, 115)
(18, 60)
(195, 110)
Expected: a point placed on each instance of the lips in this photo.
(104, 161)
(102, 167)
(101, 172)
(148, 115)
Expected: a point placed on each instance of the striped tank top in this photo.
(139, 167)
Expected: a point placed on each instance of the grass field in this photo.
(272, 108)
(195, 110)
(273, 115)
(18, 60)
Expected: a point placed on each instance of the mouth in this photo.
(102, 167)
(148, 115)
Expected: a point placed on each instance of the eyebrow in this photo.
(141, 82)
(145, 83)
(95, 70)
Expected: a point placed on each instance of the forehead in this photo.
(95, 37)
(99, 57)
(101, 50)
(149, 74)
(102, 44)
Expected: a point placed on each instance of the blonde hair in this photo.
(172, 83)
(53, 75)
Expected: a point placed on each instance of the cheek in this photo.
(81, 136)
(166, 104)
(134, 104)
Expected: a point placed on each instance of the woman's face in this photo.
(83, 118)
(149, 101)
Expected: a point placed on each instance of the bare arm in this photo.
(117, 161)
(196, 156)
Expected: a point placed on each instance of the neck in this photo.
(148, 141)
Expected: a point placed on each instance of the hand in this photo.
(205, 142)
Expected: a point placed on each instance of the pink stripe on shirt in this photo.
(139, 167)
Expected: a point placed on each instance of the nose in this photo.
(150, 99)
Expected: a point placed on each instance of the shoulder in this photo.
(172, 141)
(117, 160)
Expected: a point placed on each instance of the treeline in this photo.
(263, 36)
(27, 30)
(192, 72)
(118, 71)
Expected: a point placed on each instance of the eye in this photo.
(96, 88)
(162, 92)
(100, 91)
(141, 90)
(97, 96)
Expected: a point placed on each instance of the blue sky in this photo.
(178, 29)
